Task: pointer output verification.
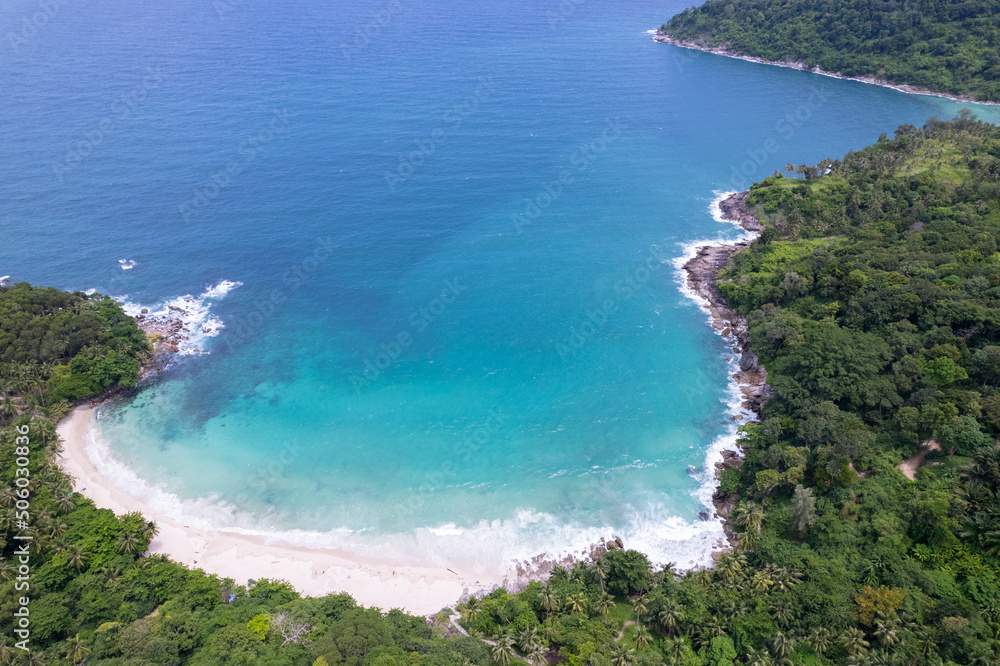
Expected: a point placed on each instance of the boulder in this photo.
(748, 361)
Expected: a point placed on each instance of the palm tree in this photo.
(7, 653)
(785, 580)
(671, 616)
(782, 644)
(76, 649)
(77, 557)
(640, 608)
(854, 641)
(750, 516)
(887, 634)
(601, 572)
(747, 541)
(604, 604)
(112, 574)
(65, 503)
(576, 603)
(7, 570)
(128, 542)
(549, 599)
(704, 577)
(527, 638)
(538, 654)
(780, 614)
(730, 567)
(642, 637)
(928, 641)
(759, 658)
(675, 651)
(472, 608)
(820, 640)
(558, 573)
(622, 656)
(57, 530)
(761, 582)
(669, 571)
(715, 627)
(503, 650)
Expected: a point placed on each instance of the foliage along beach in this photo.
(863, 509)
(870, 298)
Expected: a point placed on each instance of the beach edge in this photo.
(701, 273)
(312, 571)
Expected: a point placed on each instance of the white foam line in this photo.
(199, 323)
(734, 400)
(490, 545)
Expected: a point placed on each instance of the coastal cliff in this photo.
(702, 273)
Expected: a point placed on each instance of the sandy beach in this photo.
(312, 571)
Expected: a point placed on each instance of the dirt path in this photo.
(624, 627)
(909, 466)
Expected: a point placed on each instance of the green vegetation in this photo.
(948, 46)
(96, 597)
(67, 346)
(873, 298)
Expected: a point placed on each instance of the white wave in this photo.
(221, 289)
(505, 547)
(734, 397)
(126, 264)
(4, 280)
(194, 313)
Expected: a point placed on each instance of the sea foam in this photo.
(195, 313)
(512, 546)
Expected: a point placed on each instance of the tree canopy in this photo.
(948, 46)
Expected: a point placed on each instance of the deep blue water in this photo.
(458, 323)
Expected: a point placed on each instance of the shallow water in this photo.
(440, 241)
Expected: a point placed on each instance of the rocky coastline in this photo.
(751, 378)
(724, 50)
(166, 332)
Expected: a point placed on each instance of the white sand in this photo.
(312, 571)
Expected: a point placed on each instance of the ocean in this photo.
(428, 252)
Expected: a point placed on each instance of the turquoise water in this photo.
(435, 246)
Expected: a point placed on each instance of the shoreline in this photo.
(311, 571)
(750, 378)
(417, 589)
(664, 38)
